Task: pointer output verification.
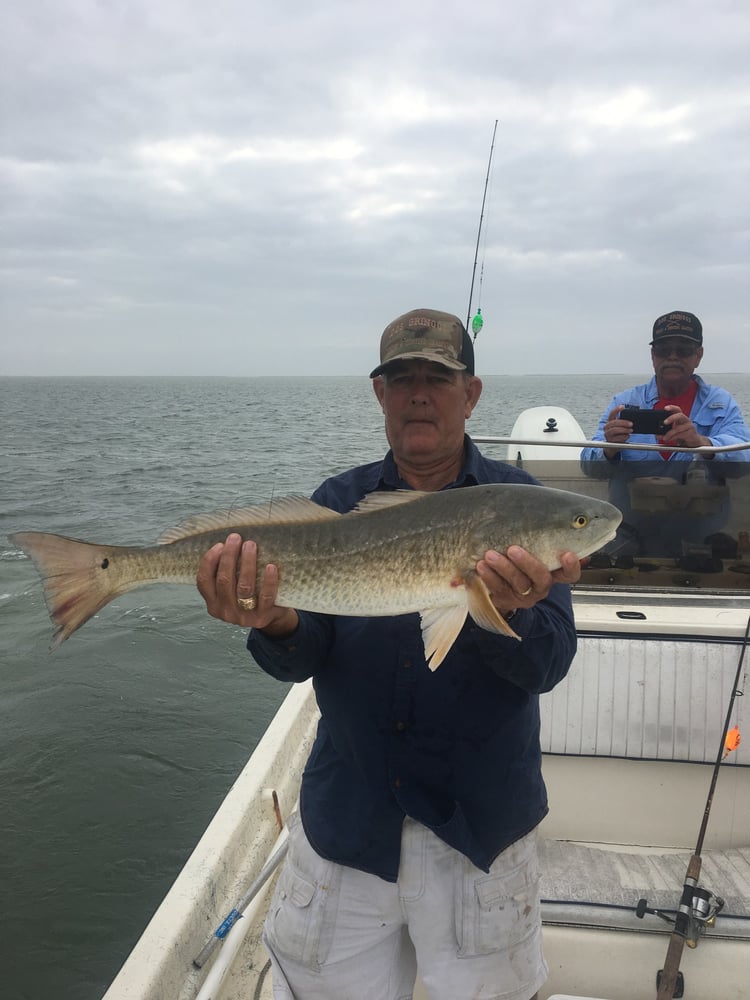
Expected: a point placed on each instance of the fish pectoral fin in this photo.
(440, 628)
(282, 510)
(484, 612)
(387, 498)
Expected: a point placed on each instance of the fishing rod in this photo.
(479, 236)
(696, 910)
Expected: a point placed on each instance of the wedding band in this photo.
(247, 603)
(525, 593)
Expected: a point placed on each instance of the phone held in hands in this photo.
(646, 421)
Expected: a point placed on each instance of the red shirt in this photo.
(685, 402)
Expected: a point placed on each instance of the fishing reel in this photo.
(702, 912)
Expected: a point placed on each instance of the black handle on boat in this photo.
(667, 981)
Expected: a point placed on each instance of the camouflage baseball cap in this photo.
(427, 335)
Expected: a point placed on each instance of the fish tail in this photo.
(78, 578)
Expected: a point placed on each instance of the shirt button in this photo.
(406, 664)
(400, 727)
(397, 783)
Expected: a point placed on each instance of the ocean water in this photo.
(116, 750)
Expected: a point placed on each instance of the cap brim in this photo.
(438, 359)
(680, 336)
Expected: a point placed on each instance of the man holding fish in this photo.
(414, 850)
(415, 847)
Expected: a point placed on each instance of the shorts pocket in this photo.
(302, 915)
(499, 910)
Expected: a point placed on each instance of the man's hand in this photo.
(517, 579)
(228, 575)
(681, 431)
(616, 430)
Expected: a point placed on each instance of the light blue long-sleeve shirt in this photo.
(715, 415)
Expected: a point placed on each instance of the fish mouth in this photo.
(584, 551)
(610, 537)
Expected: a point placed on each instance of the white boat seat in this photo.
(600, 886)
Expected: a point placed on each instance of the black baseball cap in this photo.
(678, 324)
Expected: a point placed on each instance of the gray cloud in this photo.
(258, 188)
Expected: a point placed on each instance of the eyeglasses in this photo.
(681, 350)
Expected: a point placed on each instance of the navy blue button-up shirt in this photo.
(456, 749)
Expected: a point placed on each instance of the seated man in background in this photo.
(700, 415)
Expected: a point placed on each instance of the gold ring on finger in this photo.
(247, 603)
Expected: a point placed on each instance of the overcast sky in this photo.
(259, 187)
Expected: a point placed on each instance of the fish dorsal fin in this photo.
(284, 510)
(385, 499)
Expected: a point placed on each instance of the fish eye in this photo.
(580, 521)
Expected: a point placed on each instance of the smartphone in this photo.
(646, 421)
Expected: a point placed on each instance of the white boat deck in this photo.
(619, 829)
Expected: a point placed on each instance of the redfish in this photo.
(396, 553)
